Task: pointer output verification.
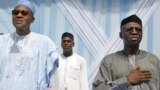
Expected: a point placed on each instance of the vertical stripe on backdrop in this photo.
(47, 13)
(115, 18)
(108, 17)
(150, 35)
(156, 32)
(94, 5)
(35, 25)
(53, 24)
(67, 25)
(125, 6)
(83, 1)
(39, 17)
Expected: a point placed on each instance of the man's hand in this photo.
(138, 76)
(51, 88)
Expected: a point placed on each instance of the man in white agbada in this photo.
(72, 72)
(27, 60)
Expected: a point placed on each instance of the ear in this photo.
(61, 44)
(120, 35)
(73, 43)
(33, 18)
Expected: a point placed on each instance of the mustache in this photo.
(134, 36)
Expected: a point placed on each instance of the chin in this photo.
(19, 26)
(67, 50)
(134, 45)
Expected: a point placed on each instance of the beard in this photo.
(132, 44)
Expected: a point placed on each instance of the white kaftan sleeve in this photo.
(84, 79)
(52, 63)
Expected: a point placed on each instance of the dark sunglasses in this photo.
(16, 12)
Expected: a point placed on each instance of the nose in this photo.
(65, 43)
(134, 31)
(19, 15)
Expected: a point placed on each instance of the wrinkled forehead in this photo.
(132, 24)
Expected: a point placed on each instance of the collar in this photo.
(124, 56)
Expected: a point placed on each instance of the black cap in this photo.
(132, 18)
(67, 34)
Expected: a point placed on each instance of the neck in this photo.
(131, 51)
(23, 31)
(67, 54)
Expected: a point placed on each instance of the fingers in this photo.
(138, 76)
(145, 71)
(145, 75)
(138, 68)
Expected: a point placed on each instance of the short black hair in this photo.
(67, 34)
(132, 18)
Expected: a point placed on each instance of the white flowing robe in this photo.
(27, 62)
(72, 73)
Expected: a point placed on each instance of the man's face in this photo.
(67, 44)
(131, 33)
(22, 17)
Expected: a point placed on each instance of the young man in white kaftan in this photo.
(130, 68)
(72, 72)
(27, 60)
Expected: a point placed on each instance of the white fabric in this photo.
(72, 73)
(132, 62)
(26, 62)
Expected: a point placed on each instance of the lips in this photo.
(19, 21)
(65, 47)
(134, 37)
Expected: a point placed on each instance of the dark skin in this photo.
(131, 33)
(22, 22)
(67, 45)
